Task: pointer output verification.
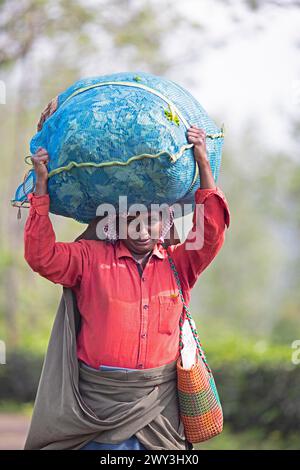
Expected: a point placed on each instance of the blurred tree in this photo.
(24, 23)
(257, 4)
(138, 27)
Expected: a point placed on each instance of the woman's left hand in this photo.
(197, 137)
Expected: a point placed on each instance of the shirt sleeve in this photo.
(206, 237)
(60, 262)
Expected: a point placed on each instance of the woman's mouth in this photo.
(142, 242)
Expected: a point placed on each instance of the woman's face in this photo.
(142, 231)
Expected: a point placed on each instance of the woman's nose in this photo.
(143, 231)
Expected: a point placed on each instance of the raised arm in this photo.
(61, 263)
(210, 218)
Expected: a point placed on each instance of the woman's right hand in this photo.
(40, 160)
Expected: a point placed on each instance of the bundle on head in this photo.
(122, 134)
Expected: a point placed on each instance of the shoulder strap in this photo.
(188, 315)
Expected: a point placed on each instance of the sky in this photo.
(251, 77)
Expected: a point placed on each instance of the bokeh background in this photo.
(241, 61)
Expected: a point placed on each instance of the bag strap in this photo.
(188, 315)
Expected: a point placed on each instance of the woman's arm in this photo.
(206, 237)
(61, 263)
(210, 218)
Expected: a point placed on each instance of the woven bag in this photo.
(199, 403)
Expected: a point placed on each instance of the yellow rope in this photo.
(134, 85)
(173, 157)
(173, 107)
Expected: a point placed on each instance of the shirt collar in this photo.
(122, 250)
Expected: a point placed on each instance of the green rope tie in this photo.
(171, 115)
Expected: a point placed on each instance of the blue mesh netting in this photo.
(99, 124)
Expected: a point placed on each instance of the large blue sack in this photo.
(121, 134)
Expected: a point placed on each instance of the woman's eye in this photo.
(130, 219)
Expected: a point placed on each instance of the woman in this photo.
(115, 386)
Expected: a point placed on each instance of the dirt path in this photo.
(13, 430)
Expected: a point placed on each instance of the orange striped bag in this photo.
(199, 403)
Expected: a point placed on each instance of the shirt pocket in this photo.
(170, 308)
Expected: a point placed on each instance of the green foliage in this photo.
(14, 407)
(252, 439)
(24, 23)
(19, 377)
(247, 352)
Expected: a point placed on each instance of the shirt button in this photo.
(143, 279)
(140, 365)
(143, 335)
(146, 306)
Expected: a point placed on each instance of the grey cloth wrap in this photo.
(76, 404)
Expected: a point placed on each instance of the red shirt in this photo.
(128, 319)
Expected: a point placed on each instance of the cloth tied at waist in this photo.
(137, 402)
